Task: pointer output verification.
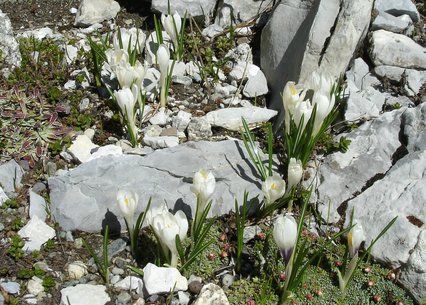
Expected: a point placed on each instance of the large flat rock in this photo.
(81, 198)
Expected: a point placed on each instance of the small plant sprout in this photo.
(102, 264)
(126, 99)
(167, 227)
(163, 58)
(172, 24)
(203, 187)
(240, 219)
(273, 188)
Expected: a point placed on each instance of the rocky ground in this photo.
(49, 101)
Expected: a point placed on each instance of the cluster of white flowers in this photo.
(166, 225)
(297, 106)
(122, 64)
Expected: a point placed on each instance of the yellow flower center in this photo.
(350, 239)
(126, 200)
(293, 90)
(274, 186)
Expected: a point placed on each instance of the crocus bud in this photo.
(163, 57)
(172, 25)
(203, 186)
(355, 237)
(273, 188)
(294, 172)
(285, 235)
(127, 202)
(324, 105)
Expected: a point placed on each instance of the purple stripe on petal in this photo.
(286, 254)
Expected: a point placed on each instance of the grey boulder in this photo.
(86, 196)
(398, 8)
(387, 48)
(8, 45)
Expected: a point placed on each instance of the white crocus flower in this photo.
(163, 57)
(324, 107)
(302, 110)
(291, 96)
(172, 24)
(126, 100)
(355, 237)
(273, 188)
(319, 82)
(128, 75)
(203, 186)
(116, 57)
(154, 211)
(131, 38)
(285, 235)
(127, 202)
(166, 226)
(294, 172)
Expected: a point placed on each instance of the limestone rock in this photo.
(163, 280)
(84, 197)
(129, 283)
(84, 294)
(76, 270)
(398, 8)
(95, 11)
(369, 156)
(199, 128)
(385, 21)
(256, 85)
(36, 232)
(230, 118)
(191, 7)
(81, 148)
(10, 176)
(392, 49)
(8, 45)
(211, 294)
(35, 285)
(413, 275)
(37, 206)
(161, 142)
(240, 10)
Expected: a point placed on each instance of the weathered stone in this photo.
(163, 280)
(37, 206)
(256, 85)
(398, 8)
(190, 7)
(199, 128)
(76, 270)
(161, 142)
(400, 193)
(211, 294)
(36, 232)
(414, 128)
(129, 283)
(95, 11)
(392, 49)
(3, 196)
(344, 175)
(240, 10)
(364, 104)
(359, 75)
(385, 21)
(84, 294)
(10, 176)
(83, 197)
(181, 120)
(413, 274)
(81, 148)
(230, 118)
(8, 45)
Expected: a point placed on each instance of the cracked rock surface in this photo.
(382, 176)
(85, 198)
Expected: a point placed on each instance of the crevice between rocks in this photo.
(332, 29)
